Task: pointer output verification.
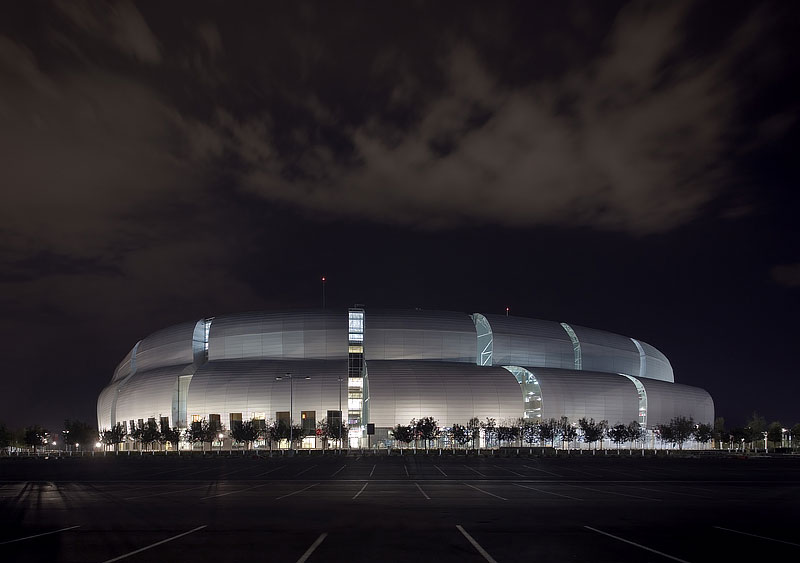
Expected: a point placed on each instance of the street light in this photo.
(291, 403)
(339, 430)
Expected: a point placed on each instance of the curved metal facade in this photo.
(451, 393)
(307, 335)
(409, 364)
(419, 335)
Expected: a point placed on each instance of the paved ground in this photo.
(399, 509)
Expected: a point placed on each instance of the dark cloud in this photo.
(786, 274)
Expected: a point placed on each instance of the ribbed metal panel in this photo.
(530, 342)
(665, 401)
(656, 364)
(305, 335)
(104, 406)
(249, 386)
(168, 347)
(419, 335)
(607, 352)
(124, 368)
(578, 394)
(149, 394)
(449, 392)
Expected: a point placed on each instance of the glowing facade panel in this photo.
(420, 335)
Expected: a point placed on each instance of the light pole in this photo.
(339, 430)
(291, 403)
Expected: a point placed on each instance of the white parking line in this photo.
(235, 471)
(338, 470)
(476, 471)
(168, 492)
(650, 549)
(514, 472)
(613, 493)
(406, 468)
(304, 470)
(475, 544)
(236, 491)
(542, 470)
(423, 492)
(373, 470)
(484, 492)
(296, 492)
(547, 492)
(440, 470)
(671, 492)
(270, 471)
(360, 490)
(314, 546)
(756, 536)
(155, 544)
(39, 535)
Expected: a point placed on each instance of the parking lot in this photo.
(401, 508)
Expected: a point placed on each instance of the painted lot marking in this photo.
(542, 470)
(440, 470)
(514, 472)
(313, 546)
(235, 471)
(373, 470)
(756, 536)
(475, 544)
(338, 470)
(406, 468)
(476, 471)
(237, 491)
(155, 544)
(650, 549)
(613, 493)
(270, 471)
(304, 470)
(547, 492)
(484, 492)
(296, 492)
(361, 490)
(671, 492)
(39, 535)
(168, 492)
(423, 492)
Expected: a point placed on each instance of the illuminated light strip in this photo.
(576, 345)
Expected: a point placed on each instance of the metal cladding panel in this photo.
(578, 394)
(419, 335)
(168, 347)
(149, 394)
(308, 335)
(530, 342)
(656, 364)
(124, 368)
(105, 403)
(607, 352)
(665, 401)
(449, 392)
(249, 386)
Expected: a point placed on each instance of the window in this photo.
(164, 423)
(282, 417)
(195, 418)
(235, 418)
(308, 421)
(214, 422)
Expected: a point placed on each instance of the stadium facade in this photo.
(388, 367)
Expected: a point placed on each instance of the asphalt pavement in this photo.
(401, 508)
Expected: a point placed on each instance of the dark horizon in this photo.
(627, 167)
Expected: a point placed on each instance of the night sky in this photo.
(629, 167)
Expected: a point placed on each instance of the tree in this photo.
(775, 433)
(740, 436)
(200, 433)
(795, 434)
(489, 431)
(757, 426)
(592, 431)
(114, 436)
(703, 433)
(277, 431)
(5, 436)
(171, 436)
(403, 433)
(297, 435)
(618, 434)
(504, 434)
(530, 431)
(548, 430)
(474, 428)
(636, 433)
(427, 429)
(682, 430)
(77, 432)
(665, 434)
(150, 433)
(245, 432)
(460, 435)
(567, 431)
(35, 436)
(720, 435)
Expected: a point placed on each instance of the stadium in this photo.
(375, 369)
